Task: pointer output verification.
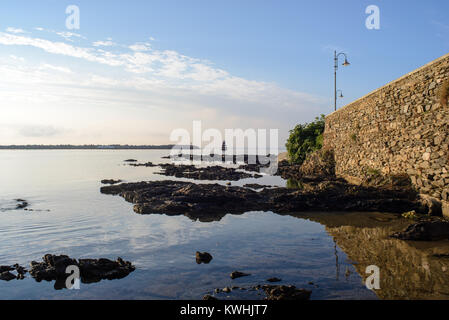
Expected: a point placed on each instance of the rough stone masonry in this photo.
(401, 128)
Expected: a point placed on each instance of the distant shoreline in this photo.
(86, 147)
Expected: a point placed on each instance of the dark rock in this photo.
(274, 279)
(238, 274)
(209, 202)
(208, 297)
(148, 164)
(206, 173)
(6, 268)
(91, 270)
(94, 270)
(425, 231)
(110, 181)
(226, 290)
(7, 276)
(285, 293)
(22, 204)
(256, 186)
(203, 257)
(130, 160)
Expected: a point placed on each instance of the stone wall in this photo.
(401, 128)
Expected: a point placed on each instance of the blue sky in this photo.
(136, 70)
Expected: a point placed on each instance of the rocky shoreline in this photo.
(53, 267)
(177, 197)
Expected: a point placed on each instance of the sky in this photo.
(134, 71)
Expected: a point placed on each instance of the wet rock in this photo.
(203, 257)
(94, 270)
(285, 293)
(226, 290)
(148, 164)
(208, 297)
(425, 231)
(110, 181)
(20, 270)
(206, 173)
(256, 186)
(22, 204)
(7, 276)
(238, 274)
(130, 160)
(91, 270)
(212, 201)
(6, 268)
(274, 279)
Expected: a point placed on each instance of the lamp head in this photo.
(346, 63)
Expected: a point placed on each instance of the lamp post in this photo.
(345, 64)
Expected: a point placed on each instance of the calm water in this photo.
(72, 217)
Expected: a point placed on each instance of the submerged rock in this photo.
(203, 257)
(425, 231)
(285, 293)
(7, 276)
(148, 164)
(238, 274)
(22, 204)
(256, 186)
(110, 181)
(274, 279)
(208, 297)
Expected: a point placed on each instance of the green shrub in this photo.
(304, 139)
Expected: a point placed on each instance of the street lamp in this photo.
(345, 64)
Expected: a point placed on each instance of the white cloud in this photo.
(14, 30)
(107, 43)
(149, 88)
(47, 66)
(140, 47)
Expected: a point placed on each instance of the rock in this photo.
(6, 268)
(226, 290)
(256, 186)
(203, 257)
(285, 293)
(274, 279)
(148, 164)
(207, 173)
(130, 160)
(210, 202)
(110, 181)
(22, 204)
(91, 270)
(7, 276)
(425, 231)
(238, 274)
(208, 297)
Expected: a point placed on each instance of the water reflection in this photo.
(408, 270)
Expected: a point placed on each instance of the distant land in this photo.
(89, 147)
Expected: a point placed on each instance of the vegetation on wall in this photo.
(304, 139)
